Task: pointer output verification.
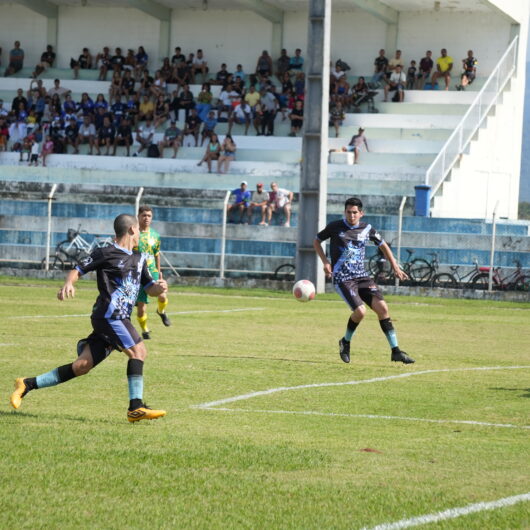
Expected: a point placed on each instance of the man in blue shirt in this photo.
(241, 201)
(348, 239)
(296, 63)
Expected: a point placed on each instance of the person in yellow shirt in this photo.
(444, 65)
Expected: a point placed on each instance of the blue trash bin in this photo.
(423, 200)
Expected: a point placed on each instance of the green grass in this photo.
(69, 458)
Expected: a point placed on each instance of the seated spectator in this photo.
(208, 126)
(58, 89)
(39, 87)
(336, 115)
(86, 134)
(85, 107)
(159, 85)
(4, 132)
(46, 61)
(297, 118)
(47, 149)
(16, 60)
(242, 114)
(100, 102)
(115, 85)
(106, 135)
(411, 75)
(130, 61)
(145, 84)
(133, 108)
(141, 62)
(192, 126)
(103, 62)
(264, 64)
(55, 104)
(296, 63)
(186, 100)
(123, 135)
(147, 109)
(71, 134)
(84, 62)
(280, 199)
(342, 91)
(221, 76)
(470, 71)
(299, 85)
(118, 110)
(199, 64)
(259, 199)
(172, 138)
(240, 74)
(360, 93)
(357, 141)
(117, 61)
(425, 70)
(336, 74)
(282, 65)
(18, 99)
(397, 82)
(241, 201)
(166, 71)
(3, 111)
(213, 150)
(161, 113)
(227, 99)
(228, 154)
(144, 136)
(25, 148)
(380, 67)
(127, 84)
(99, 117)
(204, 101)
(444, 65)
(69, 105)
(397, 60)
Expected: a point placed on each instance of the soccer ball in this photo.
(304, 290)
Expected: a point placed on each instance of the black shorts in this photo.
(109, 335)
(358, 291)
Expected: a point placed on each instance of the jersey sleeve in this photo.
(146, 279)
(324, 234)
(92, 262)
(156, 246)
(376, 237)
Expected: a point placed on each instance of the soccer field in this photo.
(265, 426)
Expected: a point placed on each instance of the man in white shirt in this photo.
(397, 81)
(58, 89)
(242, 114)
(279, 199)
(144, 136)
(86, 134)
(199, 64)
(226, 98)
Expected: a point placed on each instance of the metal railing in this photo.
(472, 119)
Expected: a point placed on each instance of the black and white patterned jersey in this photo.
(347, 248)
(120, 273)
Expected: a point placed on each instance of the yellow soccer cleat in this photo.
(20, 391)
(144, 413)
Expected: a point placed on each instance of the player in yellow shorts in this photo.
(149, 243)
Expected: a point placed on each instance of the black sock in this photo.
(135, 368)
(66, 372)
(350, 330)
(31, 383)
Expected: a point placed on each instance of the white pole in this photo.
(400, 227)
(49, 235)
(223, 237)
(492, 252)
(138, 198)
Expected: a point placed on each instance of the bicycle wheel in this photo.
(444, 280)
(378, 266)
(480, 282)
(420, 270)
(284, 272)
(66, 248)
(55, 263)
(522, 284)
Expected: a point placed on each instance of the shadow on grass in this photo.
(254, 358)
(526, 391)
(17, 415)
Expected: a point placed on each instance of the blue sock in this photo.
(135, 380)
(390, 333)
(50, 378)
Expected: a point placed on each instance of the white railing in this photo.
(472, 119)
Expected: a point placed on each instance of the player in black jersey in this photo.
(120, 273)
(348, 238)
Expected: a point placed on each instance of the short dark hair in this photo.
(353, 201)
(144, 208)
(122, 223)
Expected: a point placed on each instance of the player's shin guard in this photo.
(135, 379)
(143, 322)
(162, 305)
(390, 333)
(350, 329)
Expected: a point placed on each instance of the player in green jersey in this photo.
(149, 244)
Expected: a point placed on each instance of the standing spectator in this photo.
(16, 60)
(87, 134)
(123, 135)
(58, 89)
(71, 133)
(213, 150)
(259, 199)
(444, 65)
(199, 64)
(193, 124)
(264, 64)
(18, 99)
(47, 149)
(4, 132)
(84, 62)
(208, 126)
(241, 201)
(470, 71)
(380, 67)
(269, 107)
(46, 61)
(34, 152)
(239, 74)
(397, 82)
(178, 61)
(425, 69)
(228, 154)
(357, 141)
(282, 65)
(106, 135)
(397, 60)
(141, 62)
(172, 138)
(411, 75)
(336, 116)
(115, 85)
(279, 199)
(296, 63)
(144, 136)
(297, 118)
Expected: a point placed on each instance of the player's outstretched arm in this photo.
(401, 274)
(68, 289)
(157, 288)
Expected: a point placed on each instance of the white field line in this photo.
(373, 417)
(242, 397)
(238, 310)
(453, 513)
(7, 344)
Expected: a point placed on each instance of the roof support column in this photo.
(391, 39)
(277, 39)
(313, 177)
(48, 10)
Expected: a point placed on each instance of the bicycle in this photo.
(419, 270)
(514, 281)
(453, 279)
(284, 272)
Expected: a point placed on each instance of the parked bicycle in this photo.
(284, 272)
(75, 248)
(455, 280)
(419, 270)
